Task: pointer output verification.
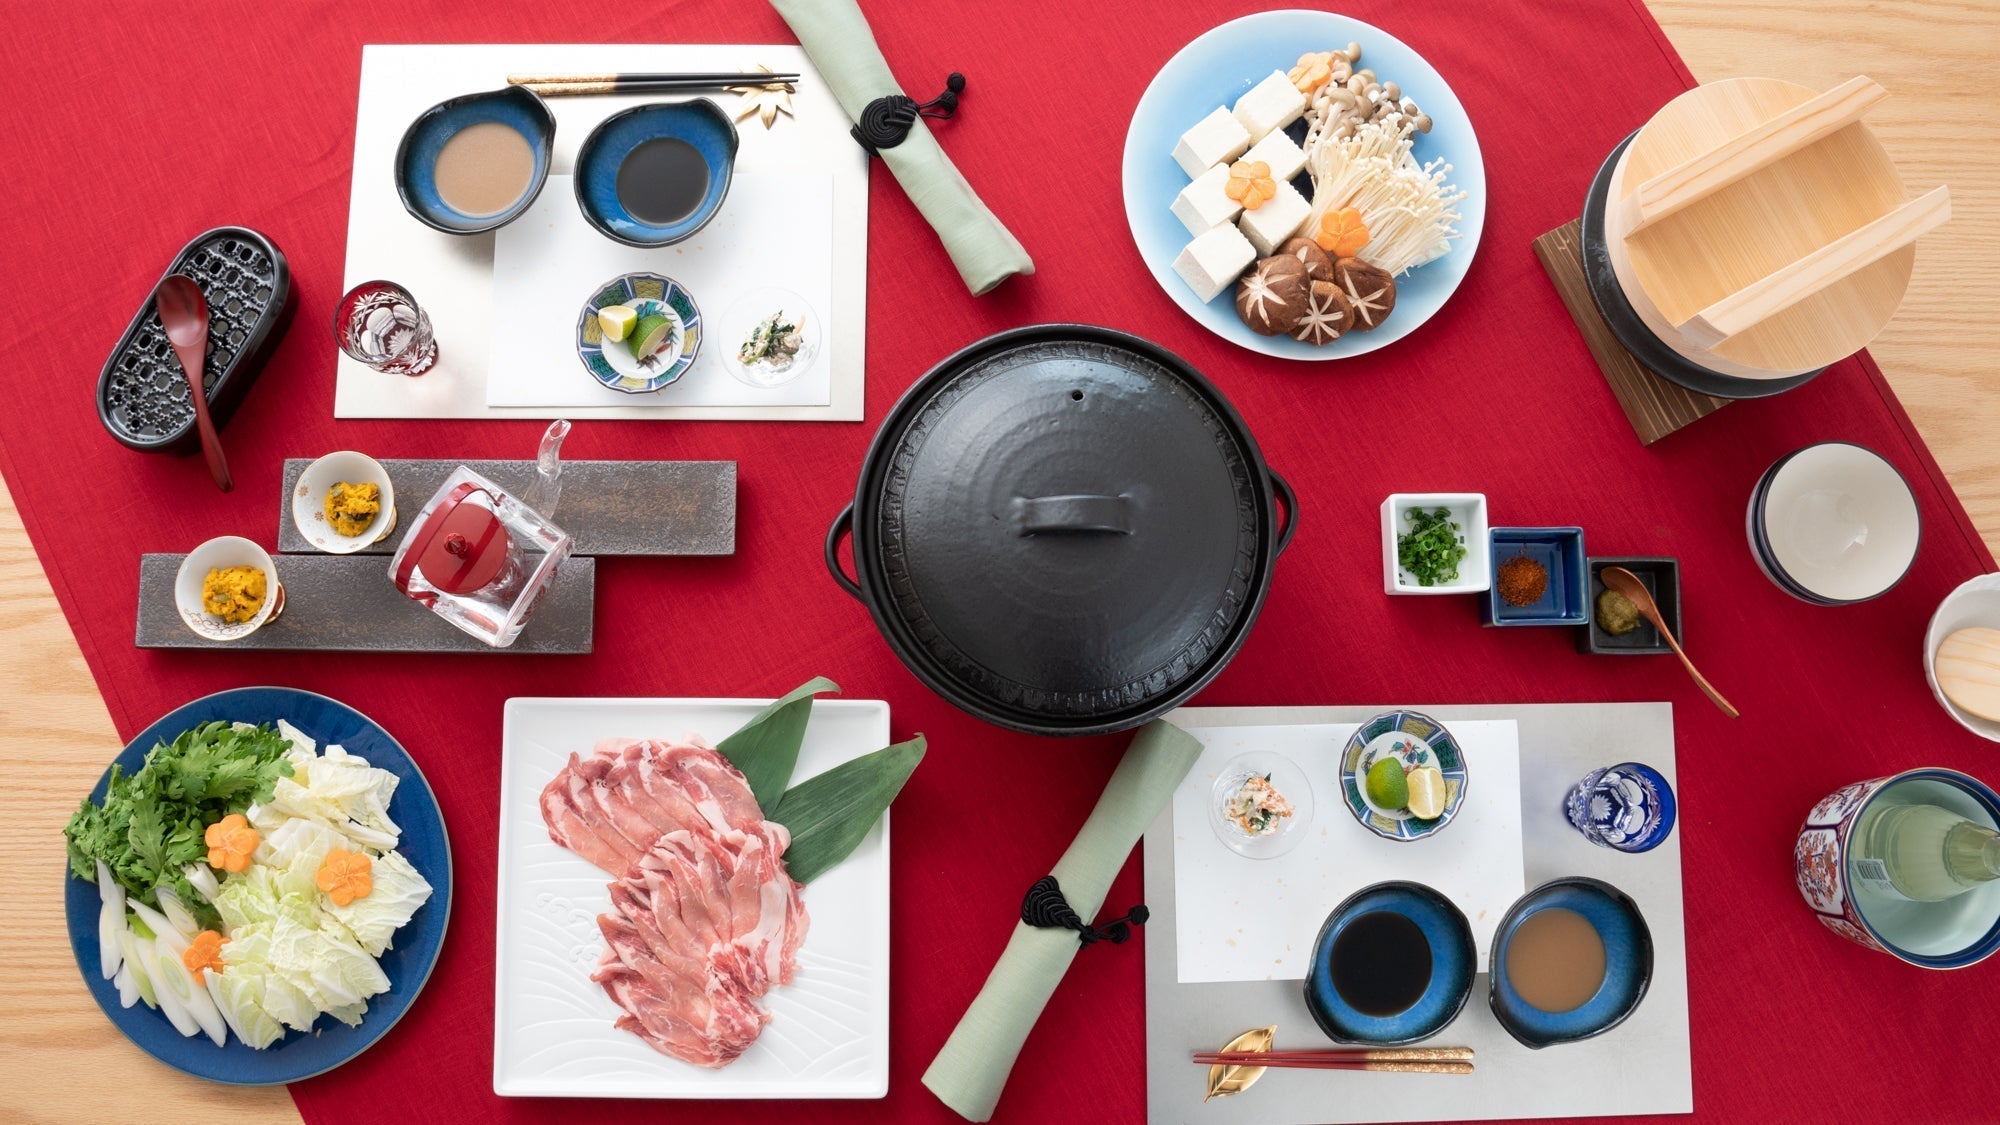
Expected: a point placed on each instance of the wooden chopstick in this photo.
(1412, 1067)
(1378, 1054)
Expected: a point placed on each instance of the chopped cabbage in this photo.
(375, 918)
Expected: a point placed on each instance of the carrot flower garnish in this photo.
(230, 842)
(1250, 183)
(345, 876)
(204, 952)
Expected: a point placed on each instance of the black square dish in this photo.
(1662, 577)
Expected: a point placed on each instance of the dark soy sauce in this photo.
(1381, 963)
(662, 181)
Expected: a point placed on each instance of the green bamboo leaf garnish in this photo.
(829, 814)
(767, 747)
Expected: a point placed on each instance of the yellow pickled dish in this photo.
(350, 508)
(233, 593)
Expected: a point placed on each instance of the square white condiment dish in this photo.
(1468, 510)
(553, 1033)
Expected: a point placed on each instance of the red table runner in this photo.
(1497, 394)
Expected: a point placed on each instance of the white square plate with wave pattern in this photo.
(552, 1027)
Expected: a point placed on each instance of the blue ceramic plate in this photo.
(1454, 961)
(698, 122)
(416, 158)
(1628, 963)
(612, 363)
(1218, 67)
(1416, 740)
(408, 963)
(1559, 550)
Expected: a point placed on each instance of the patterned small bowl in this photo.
(516, 107)
(1628, 963)
(1416, 739)
(225, 551)
(698, 122)
(309, 501)
(1951, 934)
(1454, 963)
(613, 364)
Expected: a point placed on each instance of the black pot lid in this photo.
(1071, 523)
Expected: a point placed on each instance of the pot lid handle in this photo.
(1046, 515)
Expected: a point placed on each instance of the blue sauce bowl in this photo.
(1454, 961)
(1628, 963)
(416, 158)
(698, 122)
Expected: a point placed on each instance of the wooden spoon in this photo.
(1627, 583)
(184, 313)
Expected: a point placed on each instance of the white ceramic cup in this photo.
(225, 551)
(309, 501)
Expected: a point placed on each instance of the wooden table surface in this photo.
(65, 1062)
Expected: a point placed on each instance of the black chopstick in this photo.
(733, 78)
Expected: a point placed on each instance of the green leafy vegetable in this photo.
(151, 822)
(767, 747)
(1432, 548)
(829, 814)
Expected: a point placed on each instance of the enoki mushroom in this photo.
(1409, 208)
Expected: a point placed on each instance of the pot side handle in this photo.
(1291, 503)
(843, 526)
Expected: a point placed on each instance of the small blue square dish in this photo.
(1393, 964)
(655, 174)
(516, 107)
(1558, 551)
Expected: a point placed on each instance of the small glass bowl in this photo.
(750, 311)
(1290, 782)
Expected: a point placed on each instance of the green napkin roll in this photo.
(842, 47)
(970, 1071)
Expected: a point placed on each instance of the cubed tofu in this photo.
(1213, 261)
(1278, 219)
(1282, 153)
(1269, 105)
(1215, 139)
(1204, 204)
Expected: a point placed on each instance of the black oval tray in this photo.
(142, 397)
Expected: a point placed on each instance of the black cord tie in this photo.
(1046, 908)
(886, 122)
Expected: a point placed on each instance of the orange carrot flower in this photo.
(1312, 72)
(344, 876)
(1250, 183)
(1341, 233)
(230, 842)
(204, 952)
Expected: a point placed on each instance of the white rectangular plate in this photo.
(1257, 916)
(451, 276)
(552, 1027)
(550, 259)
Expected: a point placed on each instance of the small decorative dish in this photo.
(1974, 604)
(350, 525)
(1834, 524)
(1662, 578)
(773, 337)
(655, 174)
(1261, 805)
(660, 309)
(142, 397)
(1415, 741)
(462, 182)
(1626, 959)
(1467, 512)
(256, 598)
(1554, 560)
(1385, 981)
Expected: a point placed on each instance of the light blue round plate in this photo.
(408, 964)
(1215, 70)
(651, 294)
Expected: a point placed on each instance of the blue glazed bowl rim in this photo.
(1462, 928)
(545, 145)
(1642, 933)
(1760, 542)
(1979, 791)
(726, 173)
(1450, 810)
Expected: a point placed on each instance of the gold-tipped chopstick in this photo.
(1405, 1060)
(560, 85)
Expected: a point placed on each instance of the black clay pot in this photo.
(1064, 530)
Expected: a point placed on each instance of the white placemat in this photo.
(551, 253)
(1267, 910)
(452, 275)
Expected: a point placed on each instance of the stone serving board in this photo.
(608, 507)
(346, 603)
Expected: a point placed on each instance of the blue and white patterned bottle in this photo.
(1629, 807)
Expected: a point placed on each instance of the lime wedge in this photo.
(616, 320)
(650, 335)
(1426, 792)
(1386, 785)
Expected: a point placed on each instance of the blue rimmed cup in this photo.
(1414, 739)
(699, 123)
(1628, 963)
(1454, 961)
(516, 107)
